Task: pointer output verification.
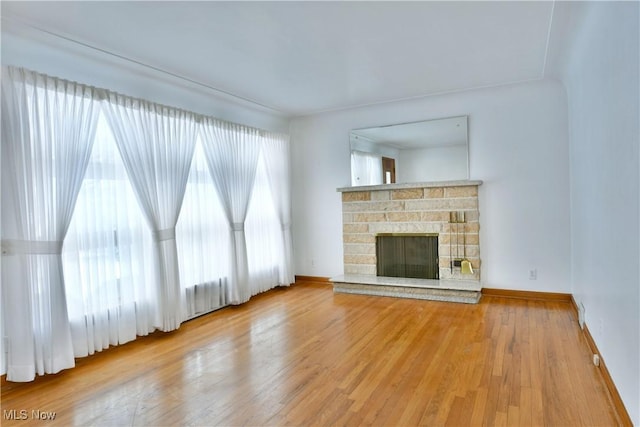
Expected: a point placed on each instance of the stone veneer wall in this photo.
(410, 210)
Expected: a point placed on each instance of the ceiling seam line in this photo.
(546, 49)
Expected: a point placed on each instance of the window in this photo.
(202, 237)
(264, 235)
(106, 255)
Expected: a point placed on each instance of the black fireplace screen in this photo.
(407, 256)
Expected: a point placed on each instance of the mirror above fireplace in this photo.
(425, 151)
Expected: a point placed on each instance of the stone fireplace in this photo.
(445, 210)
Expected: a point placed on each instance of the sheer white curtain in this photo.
(264, 234)
(232, 153)
(156, 144)
(275, 151)
(203, 239)
(366, 168)
(107, 269)
(48, 128)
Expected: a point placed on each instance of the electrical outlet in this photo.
(581, 313)
(533, 274)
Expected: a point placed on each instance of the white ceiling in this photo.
(305, 57)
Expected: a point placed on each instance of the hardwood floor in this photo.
(304, 356)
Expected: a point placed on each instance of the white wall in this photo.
(26, 47)
(518, 146)
(432, 164)
(602, 81)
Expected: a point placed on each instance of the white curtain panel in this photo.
(263, 231)
(275, 150)
(156, 144)
(48, 128)
(203, 239)
(366, 168)
(232, 156)
(107, 270)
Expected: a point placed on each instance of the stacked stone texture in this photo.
(415, 210)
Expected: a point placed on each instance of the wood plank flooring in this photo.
(304, 356)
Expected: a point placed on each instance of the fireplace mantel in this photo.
(403, 186)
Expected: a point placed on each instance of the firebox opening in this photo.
(407, 255)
